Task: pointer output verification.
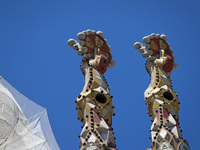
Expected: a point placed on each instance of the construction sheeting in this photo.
(24, 125)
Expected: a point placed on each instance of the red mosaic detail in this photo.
(165, 113)
(168, 66)
(157, 42)
(103, 64)
(94, 40)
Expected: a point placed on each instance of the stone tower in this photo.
(162, 102)
(94, 103)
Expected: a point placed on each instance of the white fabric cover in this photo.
(24, 125)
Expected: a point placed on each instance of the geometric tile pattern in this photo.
(94, 104)
(162, 102)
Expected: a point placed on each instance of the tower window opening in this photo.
(168, 96)
(101, 98)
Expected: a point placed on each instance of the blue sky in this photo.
(36, 60)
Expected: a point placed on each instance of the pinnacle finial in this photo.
(93, 48)
(156, 47)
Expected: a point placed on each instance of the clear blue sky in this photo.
(36, 60)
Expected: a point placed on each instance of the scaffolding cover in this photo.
(24, 125)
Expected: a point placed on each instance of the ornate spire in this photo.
(162, 102)
(94, 104)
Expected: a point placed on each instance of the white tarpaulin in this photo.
(24, 125)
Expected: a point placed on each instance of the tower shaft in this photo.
(162, 102)
(94, 104)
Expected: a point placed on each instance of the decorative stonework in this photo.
(162, 102)
(94, 104)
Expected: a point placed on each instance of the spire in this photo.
(162, 102)
(94, 103)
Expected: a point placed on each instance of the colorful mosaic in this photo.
(94, 104)
(162, 102)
